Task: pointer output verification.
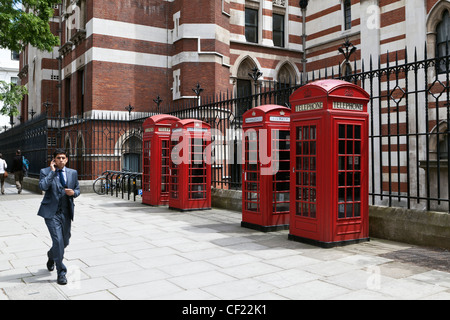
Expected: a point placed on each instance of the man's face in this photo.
(60, 160)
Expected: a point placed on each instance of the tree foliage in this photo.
(30, 25)
(11, 95)
(24, 22)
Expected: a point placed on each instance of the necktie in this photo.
(61, 178)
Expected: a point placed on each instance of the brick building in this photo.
(119, 53)
(115, 54)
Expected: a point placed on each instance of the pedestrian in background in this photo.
(17, 169)
(57, 208)
(3, 173)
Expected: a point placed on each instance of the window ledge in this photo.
(265, 46)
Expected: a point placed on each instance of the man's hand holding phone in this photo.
(52, 165)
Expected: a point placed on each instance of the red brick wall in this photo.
(116, 85)
(143, 12)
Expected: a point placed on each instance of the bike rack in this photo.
(118, 180)
(135, 189)
(114, 174)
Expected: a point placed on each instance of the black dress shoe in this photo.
(50, 264)
(62, 280)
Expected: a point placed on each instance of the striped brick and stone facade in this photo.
(119, 53)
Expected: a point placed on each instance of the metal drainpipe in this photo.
(303, 5)
(60, 71)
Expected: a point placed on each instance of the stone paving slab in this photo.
(123, 250)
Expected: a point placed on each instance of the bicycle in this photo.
(107, 183)
(102, 185)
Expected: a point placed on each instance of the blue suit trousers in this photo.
(59, 228)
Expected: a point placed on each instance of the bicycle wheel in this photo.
(100, 185)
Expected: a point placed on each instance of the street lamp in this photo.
(158, 101)
(32, 113)
(303, 5)
(198, 90)
(255, 75)
(129, 108)
(347, 49)
(46, 105)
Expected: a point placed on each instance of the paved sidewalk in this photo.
(122, 249)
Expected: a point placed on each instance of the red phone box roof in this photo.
(267, 113)
(342, 95)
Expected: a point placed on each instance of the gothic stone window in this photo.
(443, 41)
(438, 33)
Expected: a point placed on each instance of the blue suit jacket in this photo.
(49, 182)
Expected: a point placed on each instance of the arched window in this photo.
(438, 143)
(438, 33)
(347, 70)
(286, 74)
(286, 78)
(68, 144)
(442, 41)
(244, 86)
(132, 154)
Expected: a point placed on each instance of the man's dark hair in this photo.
(60, 151)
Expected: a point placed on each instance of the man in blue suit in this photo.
(57, 208)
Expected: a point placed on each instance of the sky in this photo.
(3, 120)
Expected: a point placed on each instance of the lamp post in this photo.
(32, 113)
(158, 101)
(347, 49)
(255, 75)
(303, 5)
(198, 90)
(46, 105)
(129, 108)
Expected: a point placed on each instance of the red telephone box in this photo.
(265, 174)
(329, 163)
(190, 165)
(155, 178)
